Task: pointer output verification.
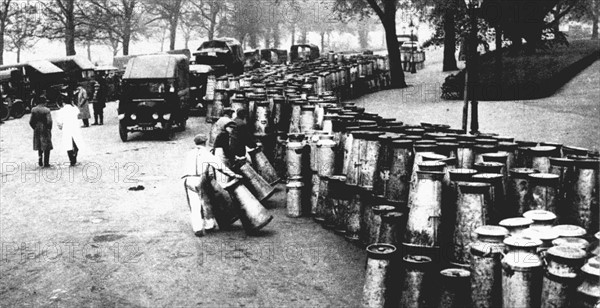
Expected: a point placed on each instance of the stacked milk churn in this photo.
(490, 222)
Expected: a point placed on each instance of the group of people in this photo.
(223, 155)
(74, 107)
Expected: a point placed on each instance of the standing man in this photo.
(196, 180)
(83, 104)
(41, 123)
(99, 102)
(242, 134)
(218, 126)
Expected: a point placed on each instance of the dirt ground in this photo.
(78, 237)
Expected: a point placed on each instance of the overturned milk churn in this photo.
(256, 183)
(262, 165)
(252, 214)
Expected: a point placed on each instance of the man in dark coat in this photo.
(99, 102)
(41, 123)
(242, 134)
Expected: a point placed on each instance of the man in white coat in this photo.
(68, 123)
(199, 166)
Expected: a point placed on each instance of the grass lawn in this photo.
(532, 76)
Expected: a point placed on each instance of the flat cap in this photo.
(200, 139)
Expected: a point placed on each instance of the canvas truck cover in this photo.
(154, 67)
(73, 63)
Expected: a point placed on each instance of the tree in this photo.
(587, 10)
(213, 13)
(6, 11)
(386, 11)
(244, 21)
(22, 29)
(61, 22)
(169, 11)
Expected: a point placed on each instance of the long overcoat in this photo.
(41, 123)
(83, 103)
(70, 127)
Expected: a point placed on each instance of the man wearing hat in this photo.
(219, 125)
(224, 144)
(199, 166)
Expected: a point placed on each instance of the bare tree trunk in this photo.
(2, 44)
(393, 48)
(19, 55)
(595, 26)
(363, 37)
(498, 61)
(172, 33)
(303, 36)
(449, 62)
(293, 35)
(162, 40)
(70, 34)
(323, 41)
(126, 40)
(89, 50)
(276, 36)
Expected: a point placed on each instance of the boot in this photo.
(95, 119)
(40, 159)
(101, 116)
(47, 158)
(71, 157)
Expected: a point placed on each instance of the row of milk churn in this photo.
(350, 78)
(509, 222)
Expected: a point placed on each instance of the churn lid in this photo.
(499, 157)
(447, 145)
(417, 260)
(516, 222)
(456, 273)
(381, 209)
(485, 148)
(340, 178)
(424, 147)
(381, 251)
(413, 137)
(466, 137)
(433, 156)
(540, 216)
(587, 164)
(474, 187)
(489, 167)
(543, 150)
(569, 230)
(425, 141)
(392, 216)
(435, 165)
(521, 173)
(544, 233)
(592, 267)
(574, 150)
(486, 141)
(544, 179)
(388, 137)
(489, 233)
(522, 242)
(433, 135)
(526, 144)
(294, 184)
(566, 252)
(561, 161)
(402, 143)
(461, 174)
(576, 242)
(487, 177)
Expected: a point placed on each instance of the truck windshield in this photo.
(150, 89)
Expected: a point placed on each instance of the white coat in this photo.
(70, 127)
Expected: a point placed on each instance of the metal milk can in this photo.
(448, 149)
(455, 288)
(253, 215)
(355, 157)
(378, 275)
(486, 266)
(263, 167)
(470, 214)
(424, 215)
(340, 199)
(326, 148)
(541, 218)
(396, 183)
(320, 211)
(256, 183)
(495, 205)
(296, 106)
(295, 149)
(518, 187)
(516, 225)
(560, 280)
(374, 222)
(588, 292)
(315, 189)
(569, 231)
(369, 160)
(542, 193)
(262, 118)
(465, 154)
(523, 158)
(511, 149)
(294, 198)
(540, 157)
(583, 196)
(384, 161)
(574, 242)
(307, 118)
(522, 273)
(279, 160)
(354, 215)
(392, 225)
(480, 149)
(416, 286)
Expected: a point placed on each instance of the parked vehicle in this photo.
(304, 52)
(155, 95)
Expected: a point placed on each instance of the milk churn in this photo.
(544, 234)
(560, 279)
(384, 161)
(262, 165)
(368, 160)
(253, 215)
(518, 187)
(218, 104)
(295, 149)
(542, 193)
(326, 155)
(455, 288)
(373, 221)
(416, 286)
(256, 183)
(424, 215)
(489, 167)
(340, 199)
(396, 184)
(480, 149)
(449, 200)
(327, 125)
(484, 140)
(522, 273)
(495, 206)
(296, 106)
(262, 118)
(486, 266)
(588, 292)
(354, 217)
(569, 231)
(470, 214)
(348, 143)
(541, 218)
(238, 103)
(512, 150)
(583, 196)
(355, 157)
(392, 225)
(448, 149)
(312, 192)
(253, 101)
(307, 118)
(279, 160)
(516, 225)
(378, 275)
(320, 210)
(596, 247)
(523, 158)
(540, 157)
(465, 154)
(294, 197)
(499, 157)
(281, 113)
(565, 169)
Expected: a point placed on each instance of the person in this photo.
(199, 163)
(71, 134)
(99, 101)
(223, 146)
(218, 126)
(83, 104)
(41, 123)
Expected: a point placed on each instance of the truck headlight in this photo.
(167, 116)
(133, 117)
(121, 116)
(155, 116)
